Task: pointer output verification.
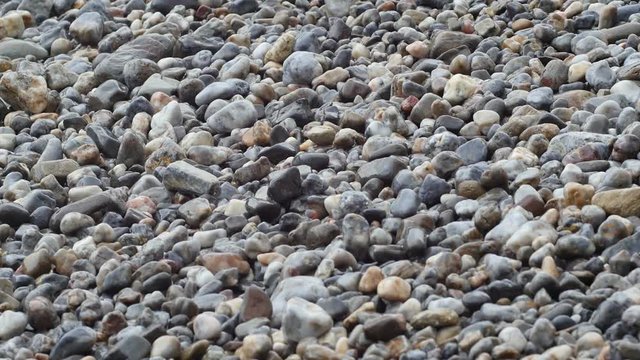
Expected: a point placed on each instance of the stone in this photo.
(303, 319)
(394, 289)
(148, 46)
(109, 200)
(206, 327)
(255, 346)
(540, 98)
(255, 304)
(131, 347)
(306, 287)
(459, 88)
(618, 202)
(238, 114)
(59, 77)
(370, 280)
(87, 28)
(432, 189)
(78, 341)
(385, 327)
(447, 40)
(301, 68)
(183, 177)
(166, 346)
(600, 76)
(384, 169)
(195, 211)
(13, 214)
(16, 49)
(285, 185)
(12, 324)
(437, 318)
(222, 90)
(24, 91)
(130, 150)
(281, 49)
(555, 74)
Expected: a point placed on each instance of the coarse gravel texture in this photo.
(323, 179)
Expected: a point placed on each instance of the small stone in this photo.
(12, 324)
(133, 347)
(87, 28)
(24, 91)
(16, 48)
(303, 319)
(206, 327)
(301, 68)
(436, 317)
(78, 341)
(394, 289)
(406, 204)
(182, 177)
(370, 280)
(238, 114)
(600, 76)
(255, 304)
(281, 49)
(621, 202)
(385, 327)
(285, 185)
(255, 346)
(459, 88)
(555, 74)
(166, 346)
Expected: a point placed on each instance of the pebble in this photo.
(206, 327)
(303, 319)
(13, 324)
(87, 28)
(393, 289)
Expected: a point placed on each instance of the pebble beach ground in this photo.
(311, 180)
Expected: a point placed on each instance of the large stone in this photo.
(623, 202)
(222, 90)
(237, 115)
(183, 177)
(132, 347)
(12, 324)
(112, 200)
(285, 185)
(303, 319)
(13, 214)
(58, 168)
(301, 68)
(149, 46)
(306, 287)
(459, 88)
(562, 144)
(165, 6)
(15, 49)
(87, 28)
(384, 169)
(78, 341)
(447, 40)
(24, 91)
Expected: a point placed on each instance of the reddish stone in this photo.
(408, 104)
(202, 12)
